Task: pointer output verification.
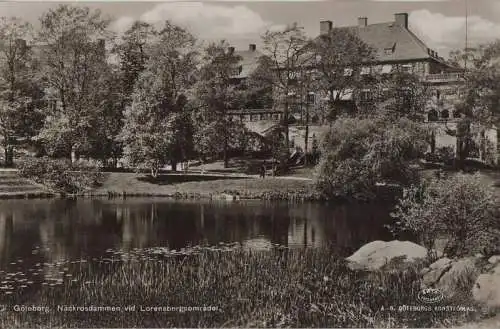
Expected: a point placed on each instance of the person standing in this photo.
(263, 170)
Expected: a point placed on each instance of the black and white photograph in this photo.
(250, 164)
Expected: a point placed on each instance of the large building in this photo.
(397, 49)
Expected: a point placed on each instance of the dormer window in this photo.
(390, 49)
(348, 72)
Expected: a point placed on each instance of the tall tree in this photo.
(342, 61)
(134, 52)
(400, 94)
(216, 94)
(104, 137)
(284, 56)
(16, 92)
(73, 71)
(157, 130)
(479, 104)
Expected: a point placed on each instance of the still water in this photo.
(48, 231)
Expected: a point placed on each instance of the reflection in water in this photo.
(51, 231)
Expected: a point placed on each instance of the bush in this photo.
(60, 175)
(358, 153)
(460, 209)
(445, 154)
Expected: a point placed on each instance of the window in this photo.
(386, 69)
(388, 51)
(365, 95)
(432, 115)
(407, 68)
(365, 70)
(310, 98)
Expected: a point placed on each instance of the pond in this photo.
(44, 231)
(50, 243)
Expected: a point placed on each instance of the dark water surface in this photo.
(36, 234)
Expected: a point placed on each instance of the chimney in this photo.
(230, 50)
(362, 21)
(401, 19)
(101, 44)
(21, 45)
(252, 47)
(325, 27)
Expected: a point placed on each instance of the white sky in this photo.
(441, 24)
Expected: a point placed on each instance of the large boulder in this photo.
(377, 254)
(486, 289)
(435, 271)
(494, 259)
(457, 280)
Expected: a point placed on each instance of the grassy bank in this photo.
(12, 186)
(204, 186)
(279, 288)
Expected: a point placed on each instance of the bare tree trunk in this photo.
(226, 153)
(285, 126)
(73, 154)
(9, 155)
(306, 137)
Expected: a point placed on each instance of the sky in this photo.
(439, 23)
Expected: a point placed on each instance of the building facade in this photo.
(399, 50)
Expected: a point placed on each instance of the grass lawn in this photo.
(199, 185)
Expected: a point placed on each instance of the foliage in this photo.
(61, 175)
(400, 95)
(445, 154)
(479, 104)
(357, 153)
(284, 56)
(340, 57)
(460, 208)
(72, 69)
(134, 52)
(215, 95)
(19, 117)
(157, 128)
(103, 137)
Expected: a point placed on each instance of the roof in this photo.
(392, 42)
(249, 62)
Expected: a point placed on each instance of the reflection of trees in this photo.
(6, 232)
(345, 226)
(70, 229)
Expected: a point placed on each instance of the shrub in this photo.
(460, 209)
(358, 153)
(445, 154)
(60, 175)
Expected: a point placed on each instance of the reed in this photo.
(277, 288)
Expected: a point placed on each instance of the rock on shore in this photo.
(377, 254)
(486, 289)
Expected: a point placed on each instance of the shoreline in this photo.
(179, 186)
